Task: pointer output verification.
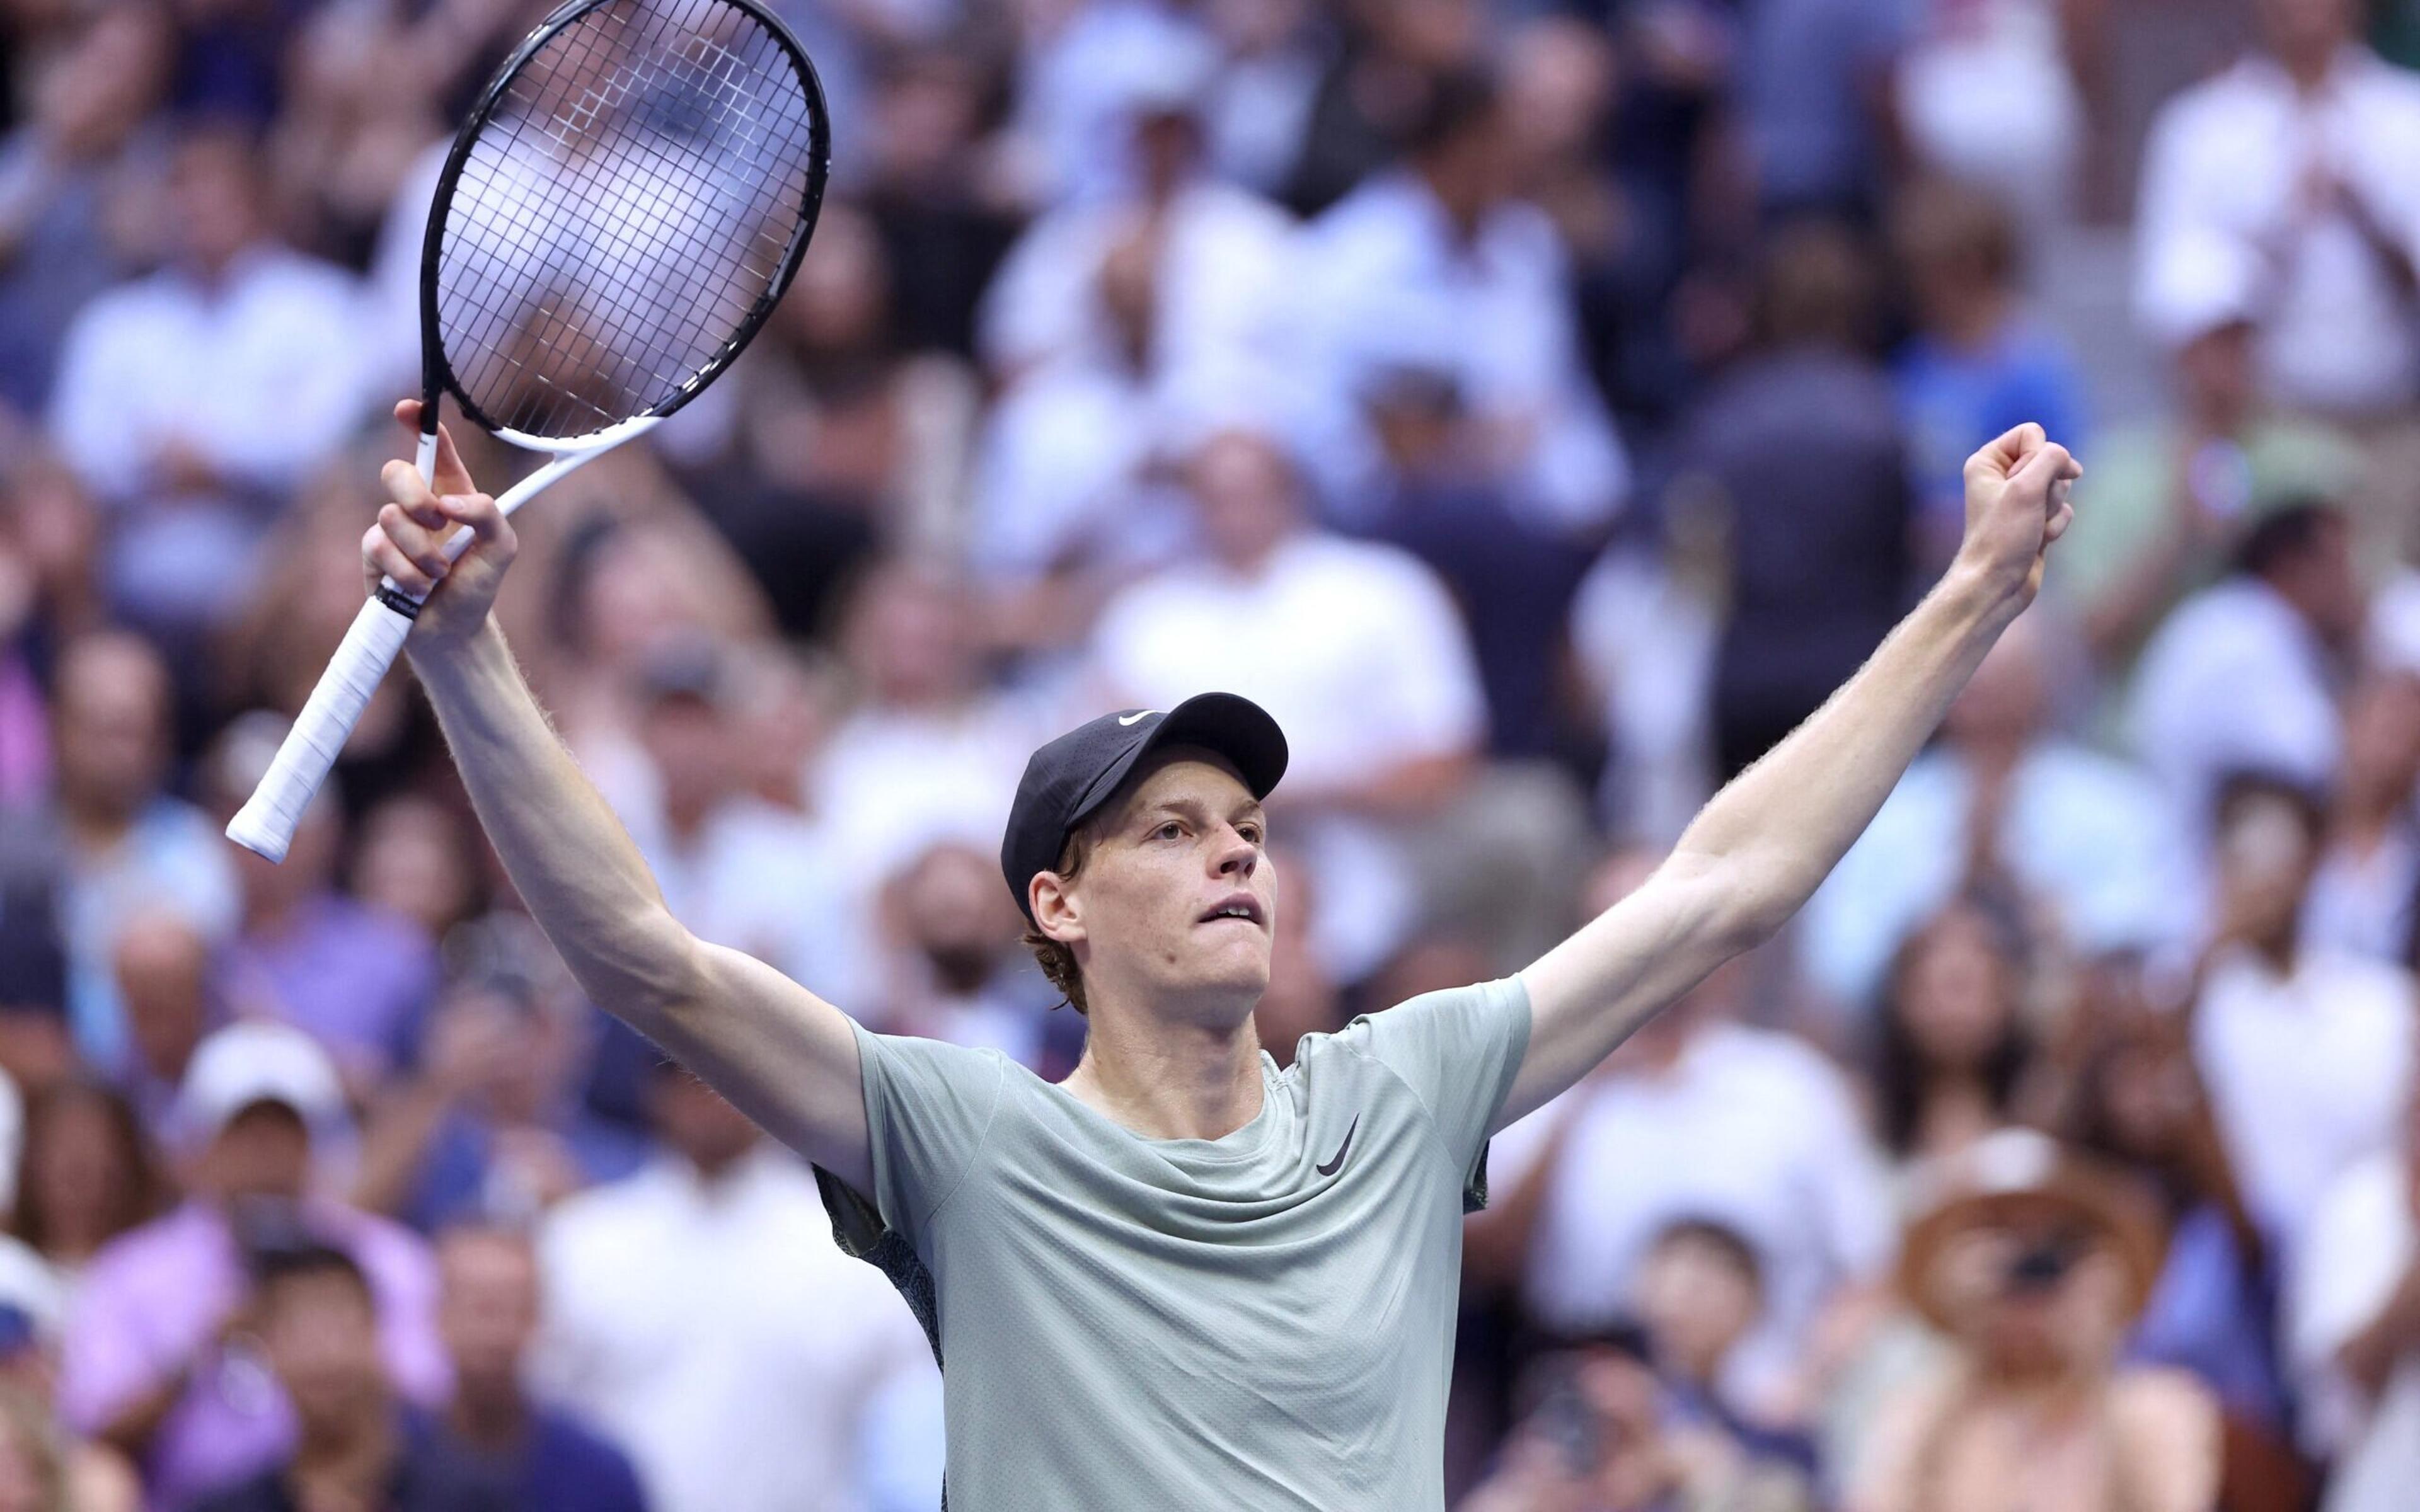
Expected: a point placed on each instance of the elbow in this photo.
(658, 973)
(1747, 910)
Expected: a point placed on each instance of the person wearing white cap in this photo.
(155, 1360)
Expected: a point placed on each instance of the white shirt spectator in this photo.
(1059, 475)
(718, 1334)
(1383, 282)
(2307, 1074)
(2225, 199)
(1080, 81)
(1359, 654)
(1749, 1128)
(1987, 95)
(764, 881)
(263, 374)
(2088, 835)
(891, 783)
(1222, 261)
(2233, 680)
(2361, 1245)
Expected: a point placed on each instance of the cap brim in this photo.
(1224, 724)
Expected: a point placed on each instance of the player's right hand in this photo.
(407, 542)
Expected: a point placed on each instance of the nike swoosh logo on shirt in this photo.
(1330, 1168)
(1131, 719)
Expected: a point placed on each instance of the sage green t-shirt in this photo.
(1262, 1321)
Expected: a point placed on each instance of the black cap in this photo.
(1074, 775)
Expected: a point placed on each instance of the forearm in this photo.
(574, 866)
(1779, 827)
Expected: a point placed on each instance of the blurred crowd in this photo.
(1539, 405)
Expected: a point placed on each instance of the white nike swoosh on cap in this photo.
(1130, 719)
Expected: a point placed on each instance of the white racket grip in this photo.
(265, 824)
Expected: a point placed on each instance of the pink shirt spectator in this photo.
(155, 1299)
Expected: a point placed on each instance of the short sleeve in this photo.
(928, 1107)
(1458, 1050)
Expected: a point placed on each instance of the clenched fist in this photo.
(2016, 506)
(407, 543)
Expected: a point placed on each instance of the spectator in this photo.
(2140, 1101)
(2353, 1326)
(1353, 647)
(2243, 675)
(2286, 174)
(1152, 304)
(1701, 1292)
(416, 859)
(955, 968)
(2033, 1262)
(926, 749)
(2081, 840)
(191, 402)
(1953, 1049)
(1606, 1432)
(153, 1364)
(1798, 450)
(832, 433)
(2306, 1052)
(1977, 365)
(1812, 85)
(1432, 266)
(1391, 64)
(1986, 94)
(491, 1125)
(945, 213)
(43, 1466)
(751, 1394)
(1261, 98)
(1702, 1118)
(317, 1317)
(734, 868)
(1441, 495)
(58, 171)
(163, 975)
(354, 978)
(88, 1175)
(533, 1458)
(1219, 253)
(123, 844)
(2362, 896)
(2168, 496)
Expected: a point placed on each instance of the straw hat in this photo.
(2013, 1176)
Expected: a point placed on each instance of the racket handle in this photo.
(265, 824)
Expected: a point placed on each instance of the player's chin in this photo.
(1234, 957)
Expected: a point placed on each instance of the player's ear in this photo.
(1057, 914)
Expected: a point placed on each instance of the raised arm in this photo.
(781, 1055)
(1758, 850)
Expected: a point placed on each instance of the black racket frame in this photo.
(437, 369)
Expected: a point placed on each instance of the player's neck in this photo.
(1169, 1081)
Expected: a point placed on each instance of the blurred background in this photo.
(1539, 406)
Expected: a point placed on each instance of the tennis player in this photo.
(1182, 1278)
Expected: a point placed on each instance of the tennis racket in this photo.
(616, 218)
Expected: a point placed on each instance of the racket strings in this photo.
(628, 206)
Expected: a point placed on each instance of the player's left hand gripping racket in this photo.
(614, 224)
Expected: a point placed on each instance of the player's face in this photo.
(1178, 897)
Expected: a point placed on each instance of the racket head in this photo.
(620, 212)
